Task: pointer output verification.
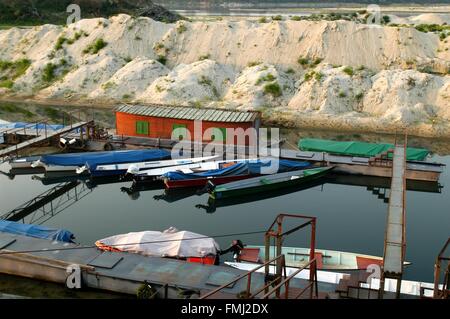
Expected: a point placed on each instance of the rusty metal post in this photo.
(279, 243)
(312, 250)
(267, 257)
(249, 285)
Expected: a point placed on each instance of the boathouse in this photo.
(160, 121)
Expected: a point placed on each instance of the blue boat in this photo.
(36, 231)
(234, 172)
(83, 162)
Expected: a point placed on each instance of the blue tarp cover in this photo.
(248, 167)
(31, 126)
(36, 231)
(103, 158)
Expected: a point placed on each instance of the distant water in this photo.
(271, 7)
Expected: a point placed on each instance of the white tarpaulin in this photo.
(169, 243)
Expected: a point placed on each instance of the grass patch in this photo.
(95, 47)
(303, 61)
(12, 108)
(162, 59)
(203, 57)
(14, 69)
(267, 78)
(204, 80)
(59, 43)
(349, 71)
(181, 28)
(6, 84)
(49, 73)
(253, 63)
(262, 20)
(273, 89)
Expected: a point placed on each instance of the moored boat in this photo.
(266, 183)
(170, 243)
(23, 162)
(326, 259)
(236, 172)
(361, 149)
(151, 175)
(135, 168)
(71, 162)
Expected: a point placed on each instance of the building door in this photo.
(142, 128)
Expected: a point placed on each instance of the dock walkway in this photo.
(39, 139)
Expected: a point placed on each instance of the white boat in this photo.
(407, 287)
(326, 259)
(135, 168)
(23, 162)
(151, 174)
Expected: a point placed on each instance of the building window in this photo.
(142, 128)
(219, 134)
(181, 131)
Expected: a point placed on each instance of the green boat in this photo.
(268, 183)
(357, 148)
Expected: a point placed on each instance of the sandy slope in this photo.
(230, 64)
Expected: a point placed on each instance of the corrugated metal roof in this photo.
(189, 113)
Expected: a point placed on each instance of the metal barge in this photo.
(120, 272)
(379, 167)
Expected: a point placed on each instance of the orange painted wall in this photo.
(162, 127)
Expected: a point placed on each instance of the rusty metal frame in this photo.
(445, 292)
(249, 279)
(276, 231)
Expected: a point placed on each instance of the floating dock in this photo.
(41, 137)
(395, 241)
(119, 272)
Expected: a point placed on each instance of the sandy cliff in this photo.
(315, 73)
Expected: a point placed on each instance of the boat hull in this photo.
(222, 194)
(201, 182)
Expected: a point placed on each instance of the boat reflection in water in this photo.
(379, 186)
(213, 204)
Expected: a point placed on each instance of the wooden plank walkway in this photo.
(39, 139)
(395, 228)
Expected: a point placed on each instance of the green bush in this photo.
(162, 59)
(277, 18)
(181, 28)
(262, 20)
(48, 73)
(204, 80)
(59, 43)
(349, 71)
(296, 18)
(342, 94)
(203, 57)
(95, 47)
(273, 89)
(6, 84)
(303, 61)
(319, 76)
(253, 63)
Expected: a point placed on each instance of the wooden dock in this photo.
(43, 137)
(395, 242)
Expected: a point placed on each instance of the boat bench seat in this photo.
(249, 255)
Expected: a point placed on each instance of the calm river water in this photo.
(350, 218)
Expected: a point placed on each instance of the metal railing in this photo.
(312, 286)
(249, 278)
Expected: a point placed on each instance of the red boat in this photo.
(201, 182)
